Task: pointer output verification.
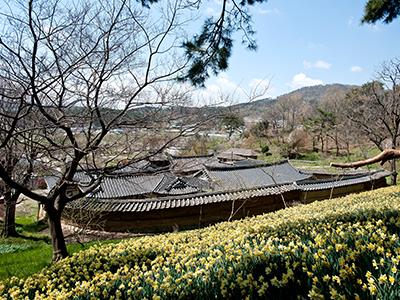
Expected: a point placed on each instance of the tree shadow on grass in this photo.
(34, 227)
(33, 231)
(35, 238)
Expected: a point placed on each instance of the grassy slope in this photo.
(23, 256)
(349, 245)
(31, 251)
(26, 255)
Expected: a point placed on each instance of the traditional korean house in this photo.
(166, 201)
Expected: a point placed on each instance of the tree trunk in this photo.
(56, 233)
(10, 203)
(322, 144)
(348, 149)
(393, 177)
(230, 132)
(337, 143)
(314, 145)
(9, 217)
(393, 168)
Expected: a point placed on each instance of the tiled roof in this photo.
(126, 186)
(249, 163)
(150, 204)
(141, 205)
(229, 178)
(196, 182)
(192, 164)
(171, 185)
(81, 177)
(340, 181)
(166, 182)
(322, 171)
(197, 163)
(142, 166)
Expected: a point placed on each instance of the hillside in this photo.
(317, 93)
(255, 109)
(341, 248)
(311, 94)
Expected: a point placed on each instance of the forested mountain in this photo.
(318, 93)
(311, 94)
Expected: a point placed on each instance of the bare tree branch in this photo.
(382, 157)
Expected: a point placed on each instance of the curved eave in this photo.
(141, 205)
(160, 203)
(341, 182)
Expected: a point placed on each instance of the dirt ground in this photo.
(75, 234)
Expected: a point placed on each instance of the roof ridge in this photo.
(338, 177)
(150, 174)
(233, 167)
(192, 156)
(158, 187)
(202, 194)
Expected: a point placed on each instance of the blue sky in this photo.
(308, 42)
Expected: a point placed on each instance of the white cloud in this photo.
(224, 91)
(257, 83)
(260, 88)
(319, 64)
(301, 80)
(273, 11)
(220, 92)
(356, 69)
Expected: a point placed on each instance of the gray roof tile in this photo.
(191, 164)
(230, 178)
(128, 186)
(179, 201)
(308, 185)
(235, 183)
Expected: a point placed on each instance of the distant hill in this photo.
(316, 93)
(312, 94)
(254, 109)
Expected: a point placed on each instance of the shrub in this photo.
(265, 149)
(312, 156)
(10, 248)
(340, 248)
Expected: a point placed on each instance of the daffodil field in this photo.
(347, 248)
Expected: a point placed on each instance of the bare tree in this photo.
(342, 132)
(375, 109)
(286, 114)
(17, 158)
(19, 164)
(86, 69)
(292, 109)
